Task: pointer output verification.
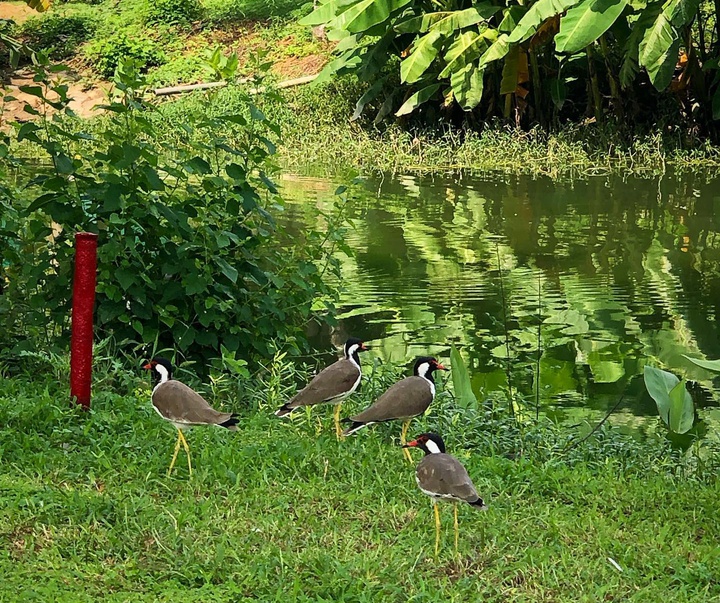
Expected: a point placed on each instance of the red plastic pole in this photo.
(81, 338)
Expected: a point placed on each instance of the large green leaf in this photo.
(709, 365)
(682, 411)
(417, 99)
(364, 14)
(511, 69)
(558, 91)
(659, 384)
(536, 16)
(497, 50)
(511, 17)
(325, 12)
(460, 19)
(661, 71)
(630, 66)
(464, 395)
(683, 12)
(586, 22)
(467, 47)
(420, 23)
(658, 48)
(672, 398)
(448, 21)
(349, 59)
(425, 49)
(376, 57)
(467, 86)
(369, 96)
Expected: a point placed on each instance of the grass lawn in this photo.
(281, 511)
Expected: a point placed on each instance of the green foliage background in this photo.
(190, 256)
(535, 61)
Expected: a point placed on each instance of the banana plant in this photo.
(509, 52)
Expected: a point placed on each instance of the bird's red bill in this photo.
(148, 365)
(412, 444)
(441, 367)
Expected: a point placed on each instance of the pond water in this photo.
(617, 272)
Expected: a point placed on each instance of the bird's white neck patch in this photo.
(422, 372)
(351, 354)
(164, 376)
(432, 447)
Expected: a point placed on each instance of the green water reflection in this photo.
(628, 272)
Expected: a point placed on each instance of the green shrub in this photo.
(91, 2)
(58, 35)
(173, 12)
(188, 68)
(237, 10)
(189, 254)
(129, 43)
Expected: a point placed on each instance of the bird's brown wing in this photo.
(444, 476)
(407, 398)
(332, 382)
(178, 403)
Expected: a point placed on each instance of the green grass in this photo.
(318, 138)
(317, 131)
(172, 49)
(281, 511)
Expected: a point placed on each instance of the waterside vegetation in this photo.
(325, 126)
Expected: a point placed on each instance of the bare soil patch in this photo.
(84, 103)
(16, 11)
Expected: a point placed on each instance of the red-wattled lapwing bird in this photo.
(332, 384)
(442, 477)
(182, 406)
(405, 399)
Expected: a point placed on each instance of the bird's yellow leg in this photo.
(403, 433)
(338, 429)
(437, 529)
(177, 449)
(403, 440)
(457, 529)
(187, 451)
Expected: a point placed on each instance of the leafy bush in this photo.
(59, 35)
(189, 254)
(78, 2)
(189, 68)
(237, 10)
(128, 43)
(173, 12)
(525, 59)
(9, 222)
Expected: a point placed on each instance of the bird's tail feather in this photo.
(480, 504)
(354, 426)
(231, 423)
(284, 410)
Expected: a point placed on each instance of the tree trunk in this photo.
(537, 89)
(612, 82)
(595, 86)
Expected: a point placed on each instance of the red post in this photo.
(81, 338)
